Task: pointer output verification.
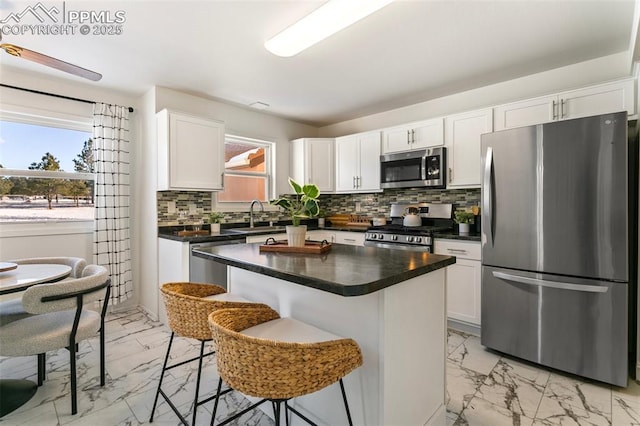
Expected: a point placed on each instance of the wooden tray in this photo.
(192, 233)
(282, 246)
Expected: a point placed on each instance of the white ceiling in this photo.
(409, 52)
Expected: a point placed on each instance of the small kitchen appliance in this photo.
(426, 219)
(414, 169)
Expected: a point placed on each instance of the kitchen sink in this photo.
(259, 229)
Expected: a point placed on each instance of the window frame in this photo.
(270, 173)
(46, 118)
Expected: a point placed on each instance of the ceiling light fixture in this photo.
(323, 22)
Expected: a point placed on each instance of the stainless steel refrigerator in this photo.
(555, 245)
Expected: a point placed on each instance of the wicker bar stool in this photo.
(276, 359)
(188, 306)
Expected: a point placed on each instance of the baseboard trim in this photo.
(465, 327)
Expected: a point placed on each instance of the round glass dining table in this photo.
(13, 279)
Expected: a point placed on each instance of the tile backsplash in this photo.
(192, 207)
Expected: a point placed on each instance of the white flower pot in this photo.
(463, 228)
(215, 228)
(296, 235)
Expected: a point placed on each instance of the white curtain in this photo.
(112, 247)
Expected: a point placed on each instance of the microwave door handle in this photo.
(487, 198)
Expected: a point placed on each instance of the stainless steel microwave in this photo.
(413, 169)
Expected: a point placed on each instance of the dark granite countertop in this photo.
(454, 235)
(345, 270)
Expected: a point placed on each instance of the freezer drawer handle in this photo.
(553, 284)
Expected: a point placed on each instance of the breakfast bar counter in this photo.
(392, 302)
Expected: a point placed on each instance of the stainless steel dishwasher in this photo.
(209, 271)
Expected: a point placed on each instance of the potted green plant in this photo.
(304, 205)
(215, 218)
(322, 214)
(463, 219)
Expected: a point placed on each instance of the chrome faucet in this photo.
(251, 211)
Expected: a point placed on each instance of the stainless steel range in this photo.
(433, 217)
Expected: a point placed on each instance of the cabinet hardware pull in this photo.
(554, 115)
(354, 182)
(553, 284)
(450, 174)
(408, 137)
(413, 136)
(222, 176)
(562, 108)
(457, 250)
(358, 182)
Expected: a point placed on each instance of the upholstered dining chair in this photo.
(60, 319)
(12, 309)
(276, 359)
(188, 306)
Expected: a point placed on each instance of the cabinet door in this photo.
(525, 113)
(427, 134)
(351, 238)
(612, 97)
(319, 163)
(463, 133)
(318, 235)
(463, 291)
(396, 139)
(191, 152)
(369, 175)
(347, 162)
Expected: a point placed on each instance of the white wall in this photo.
(573, 76)
(238, 121)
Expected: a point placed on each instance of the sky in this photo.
(23, 144)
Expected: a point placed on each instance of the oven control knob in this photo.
(373, 236)
(394, 238)
(380, 236)
(418, 239)
(410, 239)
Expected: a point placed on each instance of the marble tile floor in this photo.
(484, 388)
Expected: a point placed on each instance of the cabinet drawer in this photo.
(462, 249)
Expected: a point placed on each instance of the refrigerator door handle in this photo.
(552, 284)
(487, 199)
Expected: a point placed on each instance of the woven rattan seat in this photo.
(257, 357)
(188, 306)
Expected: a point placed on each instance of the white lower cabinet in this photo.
(320, 235)
(351, 238)
(463, 279)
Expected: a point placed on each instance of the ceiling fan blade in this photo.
(50, 62)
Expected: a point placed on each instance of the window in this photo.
(46, 171)
(248, 170)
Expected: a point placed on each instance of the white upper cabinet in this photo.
(358, 162)
(312, 161)
(190, 152)
(462, 136)
(604, 98)
(418, 135)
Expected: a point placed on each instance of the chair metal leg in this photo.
(195, 399)
(42, 360)
(346, 404)
(215, 405)
(164, 367)
(102, 356)
(276, 411)
(72, 367)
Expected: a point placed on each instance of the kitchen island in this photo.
(392, 302)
